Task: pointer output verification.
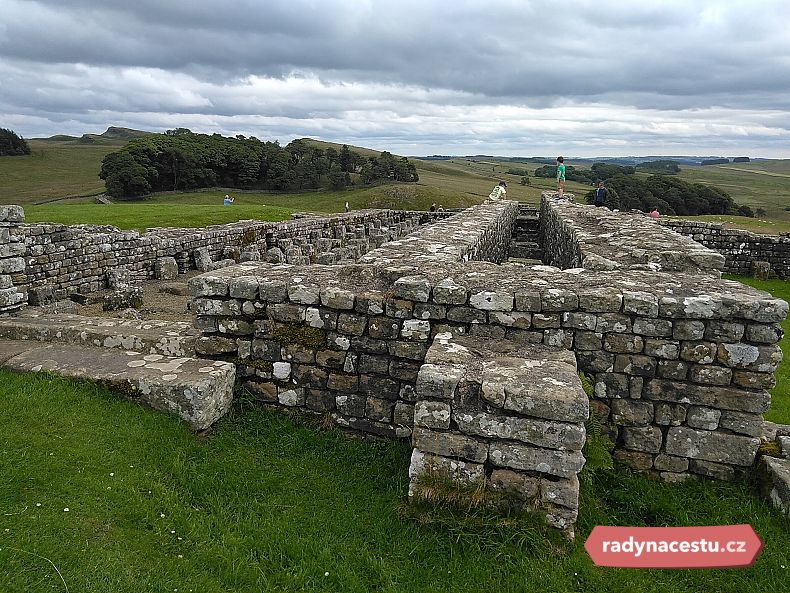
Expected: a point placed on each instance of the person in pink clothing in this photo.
(654, 213)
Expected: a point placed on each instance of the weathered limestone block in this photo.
(541, 433)
(723, 398)
(165, 268)
(450, 444)
(564, 464)
(438, 381)
(711, 446)
(203, 260)
(123, 298)
(775, 481)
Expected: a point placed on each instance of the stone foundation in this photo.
(681, 360)
(504, 418)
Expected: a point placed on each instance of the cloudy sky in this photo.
(580, 77)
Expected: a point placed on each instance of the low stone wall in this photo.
(12, 263)
(681, 361)
(739, 247)
(579, 236)
(500, 417)
(78, 258)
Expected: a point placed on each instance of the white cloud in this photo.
(504, 77)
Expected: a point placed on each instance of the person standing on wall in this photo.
(600, 195)
(499, 192)
(346, 206)
(560, 175)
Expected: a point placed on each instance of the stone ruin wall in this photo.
(681, 360)
(740, 247)
(79, 258)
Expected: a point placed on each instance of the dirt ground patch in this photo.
(168, 300)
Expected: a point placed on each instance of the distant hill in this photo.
(324, 145)
(113, 136)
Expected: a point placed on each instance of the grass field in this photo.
(53, 170)
(119, 498)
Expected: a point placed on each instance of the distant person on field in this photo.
(432, 208)
(347, 206)
(499, 192)
(654, 213)
(227, 201)
(560, 175)
(600, 195)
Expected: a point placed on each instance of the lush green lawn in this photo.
(52, 170)
(263, 504)
(780, 395)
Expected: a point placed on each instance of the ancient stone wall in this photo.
(739, 247)
(78, 258)
(681, 360)
(12, 263)
(579, 236)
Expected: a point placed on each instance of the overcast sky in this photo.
(580, 77)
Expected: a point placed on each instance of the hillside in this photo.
(112, 136)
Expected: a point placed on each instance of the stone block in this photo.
(722, 398)
(438, 381)
(703, 418)
(711, 446)
(379, 410)
(709, 374)
(654, 328)
(662, 349)
(775, 481)
(432, 414)
(449, 444)
(635, 364)
(699, 352)
(563, 464)
(688, 330)
(448, 292)
(623, 343)
(742, 423)
(243, 287)
(165, 268)
(541, 433)
(350, 404)
(670, 464)
(413, 288)
(336, 298)
(640, 303)
(561, 492)
(522, 486)
(123, 298)
(627, 412)
(558, 299)
(717, 471)
(646, 439)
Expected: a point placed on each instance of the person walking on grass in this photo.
(499, 192)
(560, 175)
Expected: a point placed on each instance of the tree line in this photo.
(181, 160)
(598, 172)
(669, 195)
(11, 144)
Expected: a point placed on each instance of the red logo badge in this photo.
(725, 546)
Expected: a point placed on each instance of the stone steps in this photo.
(525, 250)
(198, 391)
(169, 338)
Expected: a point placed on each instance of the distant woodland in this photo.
(182, 160)
(11, 144)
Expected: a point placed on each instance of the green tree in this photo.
(11, 144)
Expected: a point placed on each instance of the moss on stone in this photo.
(309, 337)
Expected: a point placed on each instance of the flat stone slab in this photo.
(169, 338)
(199, 391)
(11, 348)
(775, 474)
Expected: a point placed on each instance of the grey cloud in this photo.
(196, 62)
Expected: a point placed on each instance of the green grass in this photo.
(142, 215)
(265, 504)
(780, 395)
(53, 170)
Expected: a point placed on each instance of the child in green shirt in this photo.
(560, 175)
